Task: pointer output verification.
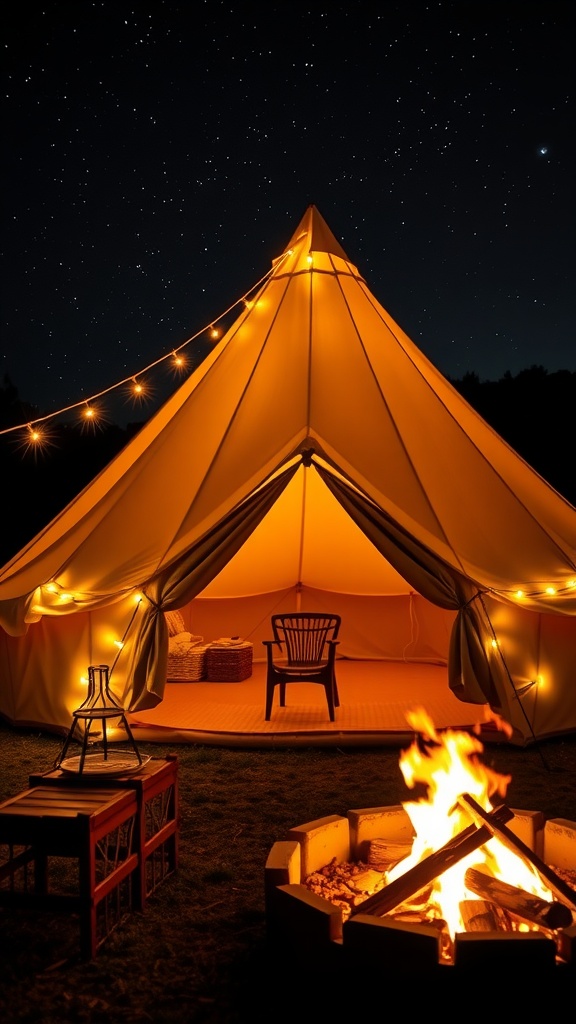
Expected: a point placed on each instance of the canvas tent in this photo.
(315, 459)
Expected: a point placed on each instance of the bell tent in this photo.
(315, 460)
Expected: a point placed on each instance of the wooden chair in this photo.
(303, 651)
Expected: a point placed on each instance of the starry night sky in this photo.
(157, 157)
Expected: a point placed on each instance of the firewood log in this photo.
(544, 913)
(417, 877)
(384, 853)
(483, 916)
(557, 885)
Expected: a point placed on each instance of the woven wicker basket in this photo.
(229, 664)
(189, 667)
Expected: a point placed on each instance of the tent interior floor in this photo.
(374, 699)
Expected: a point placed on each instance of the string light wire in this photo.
(132, 378)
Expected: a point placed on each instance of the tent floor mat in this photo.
(374, 699)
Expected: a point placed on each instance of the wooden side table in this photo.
(93, 826)
(157, 825)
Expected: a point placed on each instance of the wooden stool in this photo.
(96, 827)
(157, 825)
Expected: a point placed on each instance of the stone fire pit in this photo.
(307, 924)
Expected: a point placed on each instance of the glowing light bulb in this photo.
(519, 593)
(551, 590)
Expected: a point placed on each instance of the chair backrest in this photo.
(304, 635)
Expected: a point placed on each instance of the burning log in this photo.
(497, 828)
(418, 877)
(484, 916)
(520, 903)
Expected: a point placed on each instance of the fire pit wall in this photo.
(300, 920)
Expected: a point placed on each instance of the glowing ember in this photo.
(448, 766)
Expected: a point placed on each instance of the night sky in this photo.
(158, 156)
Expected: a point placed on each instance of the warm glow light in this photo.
(91, 416)
(36, 439)
(447, 766)
(494, 644)
(551, 590)
(119, 644)
(140, 390)
(214, 333)
(138, 597)
(519, 593)
(310, 260)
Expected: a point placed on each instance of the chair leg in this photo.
(282, 695)
(329, 687)
(336, 696)
(269, 700)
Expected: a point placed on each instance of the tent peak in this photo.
(319, 234)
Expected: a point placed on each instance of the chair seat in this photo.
(300, 668)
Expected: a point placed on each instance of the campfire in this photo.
(448, 877)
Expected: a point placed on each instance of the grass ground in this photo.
(199, 953)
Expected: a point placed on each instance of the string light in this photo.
(140, 390)
(35, 437)
(549, 591)
(180, 361)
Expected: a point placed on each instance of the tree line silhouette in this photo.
(533, 411)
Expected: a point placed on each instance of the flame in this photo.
(445, 766)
